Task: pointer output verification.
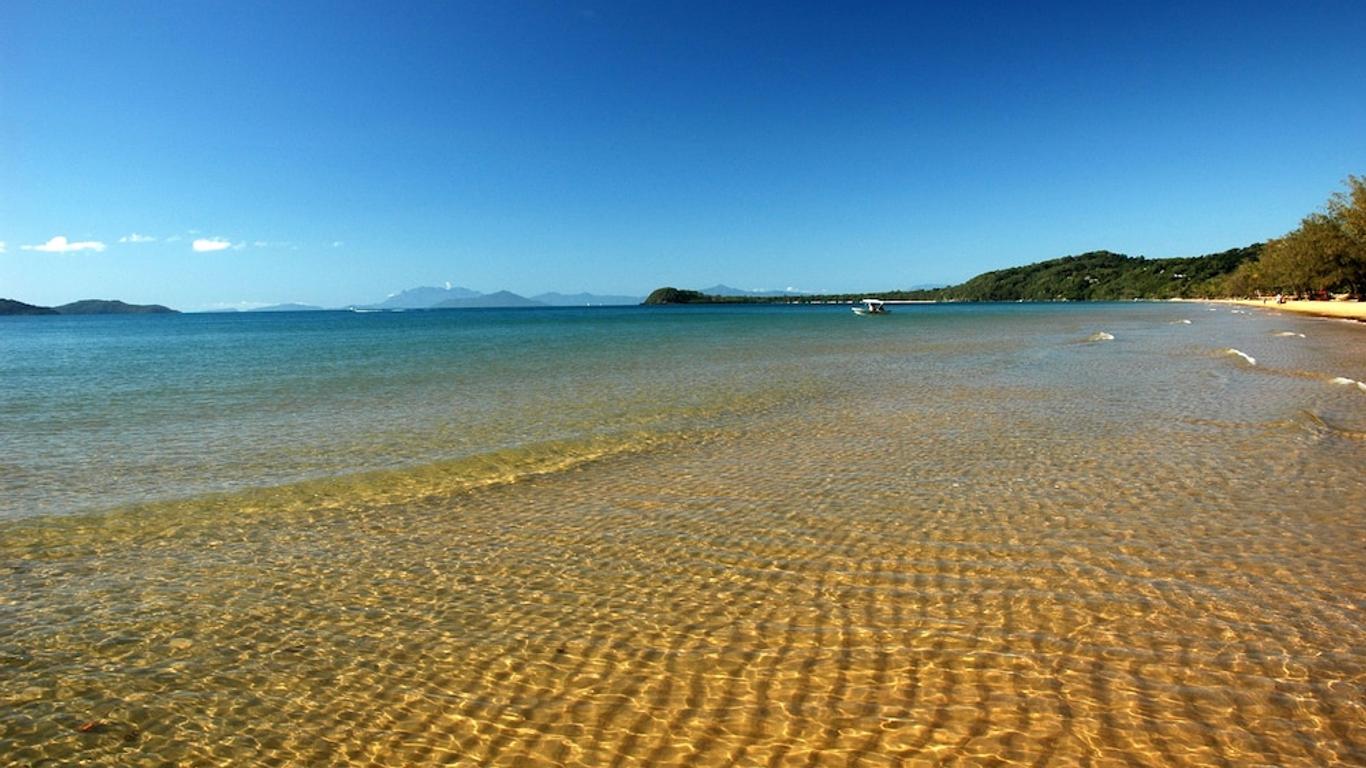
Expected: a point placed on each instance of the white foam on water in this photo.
(1361, 385)
(1100, 336)
(1181, 322)
(1290, 333)
(1249, 358)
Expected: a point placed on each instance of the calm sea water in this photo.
(703, 536)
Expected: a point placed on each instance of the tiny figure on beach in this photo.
(1280, 298)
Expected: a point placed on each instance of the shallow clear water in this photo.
(731, 536)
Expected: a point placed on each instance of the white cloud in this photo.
(136, 238)
(2, 246)
(60, 244)
(204, 245)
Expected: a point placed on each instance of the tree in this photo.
(1244, 282)
(1348, 210)
(1327, 252)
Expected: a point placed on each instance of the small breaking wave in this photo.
(1249, 358)
(1343, 380)
(1289, 334)
(1181, 322)
(1100, 336)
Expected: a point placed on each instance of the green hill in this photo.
(684, 296)
(1103, 276)
(1094, 276)
(111, 307)
(12, 307)
(678, 296)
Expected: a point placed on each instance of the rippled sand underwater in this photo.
(959, 548)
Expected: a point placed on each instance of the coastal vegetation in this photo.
(1104, 276)
(683, 296)
(1094, 276)
(1326, 254)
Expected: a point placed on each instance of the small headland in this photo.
(85, 307)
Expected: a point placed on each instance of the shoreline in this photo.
(1341, 310)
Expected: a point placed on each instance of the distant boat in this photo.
(871, 307)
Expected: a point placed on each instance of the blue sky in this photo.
(332, 153)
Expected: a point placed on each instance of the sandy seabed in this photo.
(1042, 536)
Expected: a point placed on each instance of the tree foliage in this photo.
(1326, 253)
(1095, 276)
(1104, 276)
(684, 296)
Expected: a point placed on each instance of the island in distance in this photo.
(291, 307)
(456, 297)
(84, 307)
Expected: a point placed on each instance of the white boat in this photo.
(871, 307)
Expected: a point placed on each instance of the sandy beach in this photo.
(1351, 310)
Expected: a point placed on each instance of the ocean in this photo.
(733, 535)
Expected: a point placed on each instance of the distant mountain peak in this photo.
(721, 289)
(290, 307)
(557, 299)
(496, 299)
(425, 296)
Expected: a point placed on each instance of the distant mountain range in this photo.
(84, 307)
(456, 297)
(496, 299)
(287, 308)
(726, 290)
(584, 299)
(423, 297)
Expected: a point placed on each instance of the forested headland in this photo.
(1324, 257)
